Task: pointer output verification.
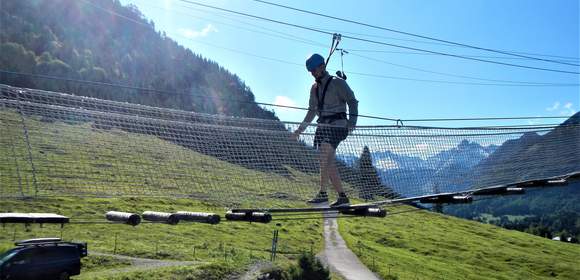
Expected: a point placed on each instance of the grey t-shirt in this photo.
(338, 95)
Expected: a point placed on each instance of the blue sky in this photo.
(269, 57)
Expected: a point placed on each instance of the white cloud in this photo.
(563, 108)
(554, 107)
(189, 33)
(284, 101)
(567, 109)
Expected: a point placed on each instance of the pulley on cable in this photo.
(335, 41)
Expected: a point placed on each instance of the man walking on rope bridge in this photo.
(328, 99)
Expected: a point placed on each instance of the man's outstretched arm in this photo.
(307, 120)
(312, 109)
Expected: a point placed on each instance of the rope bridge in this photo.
(54, 144)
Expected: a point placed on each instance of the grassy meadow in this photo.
(427, 245)
(83, 172)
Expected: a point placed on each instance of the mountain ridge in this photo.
(553, 211)
(75, 40)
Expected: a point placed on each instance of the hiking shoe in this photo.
(341, 201)
(319, 198)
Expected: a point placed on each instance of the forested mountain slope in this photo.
(78, 41)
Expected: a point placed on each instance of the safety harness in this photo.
(330, 118)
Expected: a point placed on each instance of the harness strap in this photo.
(321, 100)
(332, 118)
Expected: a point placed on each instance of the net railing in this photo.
(55, 144)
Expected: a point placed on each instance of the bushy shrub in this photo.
(309, 268)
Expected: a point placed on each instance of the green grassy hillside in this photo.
(426, 245)
(231, 245)
(84, 172)
(75, 163)
(74, 158)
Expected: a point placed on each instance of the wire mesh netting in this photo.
(55, 144)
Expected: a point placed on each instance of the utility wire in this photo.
(145, 24)
(412, 34)
(461, 83)
(507, 83)
(380, 43)
(116, 14)
(483, 119)
(258, 103)
(294, 38)
(308, 41)
(460, 76)
(560, 58)
(92, 83)
(284, 35)
(421, 53)
(460, 56)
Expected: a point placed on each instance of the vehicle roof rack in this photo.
(33, 218)
(38, 241)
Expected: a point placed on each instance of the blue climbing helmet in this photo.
(314, 61)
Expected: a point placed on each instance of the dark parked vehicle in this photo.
(42, 258)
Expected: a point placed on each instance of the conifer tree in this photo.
(370, 183)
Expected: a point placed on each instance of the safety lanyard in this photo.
(335, 40)
(333, 47)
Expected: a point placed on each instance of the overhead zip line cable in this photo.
(421, 53)
(413, 34)
(451, 75)
(286, 36)
(464, 57)
(294, 38)
(275, 105)
(559, 58)
(504, 83)
(314, 43)
(380, 43)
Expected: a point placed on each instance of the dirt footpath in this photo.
(339, 258)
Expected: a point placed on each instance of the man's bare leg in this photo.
(322, 196)
(332, 170)
(323, 160)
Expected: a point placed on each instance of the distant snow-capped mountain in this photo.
(411, 175)
(534, 156)
(466, 154)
